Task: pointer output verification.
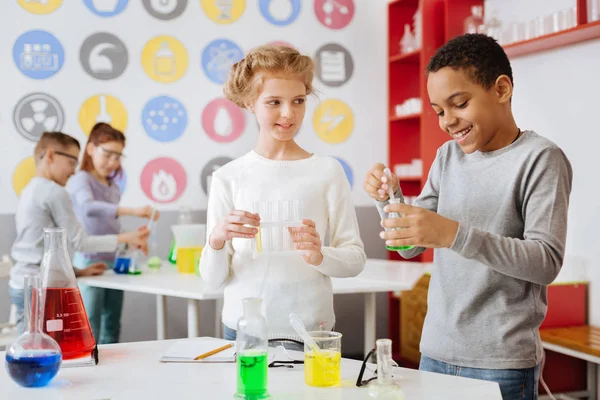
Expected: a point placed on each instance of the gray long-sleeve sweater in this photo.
(487, 295)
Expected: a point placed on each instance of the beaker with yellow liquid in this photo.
(189, 240)
(323, 368)
(164, 60)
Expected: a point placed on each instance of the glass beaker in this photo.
(122, 260)
(34, 359)
(252, 345)
(323, 368)
(393, 215)
(65, 318)
(184, 218)
(190, 240)
(384, 387)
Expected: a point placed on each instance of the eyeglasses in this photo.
(282, 357)
(359, 381)
(74, 161)
(110, 155)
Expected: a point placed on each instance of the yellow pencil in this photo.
(215, 351)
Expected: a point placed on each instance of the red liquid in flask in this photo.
(66, 321)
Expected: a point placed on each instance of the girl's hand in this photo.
(307, 238)
(146, 212)
(137, 239)
(232, 226)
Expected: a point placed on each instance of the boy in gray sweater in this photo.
(45, 203)
(495, 208)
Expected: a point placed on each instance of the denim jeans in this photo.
(231, 334)
(515, 384)
(103, 306)
(17, 297)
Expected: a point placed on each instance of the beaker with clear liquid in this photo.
(277, 217)
(34, 359)
(384, 387)
(65, 319)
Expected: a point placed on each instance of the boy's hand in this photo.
(146, 212)
(232, 226)
(422, 228)
(376, 183)
(307, 238)
(91, 270)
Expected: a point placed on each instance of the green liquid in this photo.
(173, 253)
(252, 376)
(396, 248)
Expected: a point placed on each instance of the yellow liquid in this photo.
(322, 369)
(187, 258)
(258, 239)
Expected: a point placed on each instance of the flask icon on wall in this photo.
(164, 60)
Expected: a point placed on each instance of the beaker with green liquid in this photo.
(252, 345)
(393, 215)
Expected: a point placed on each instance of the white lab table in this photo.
(132, 371)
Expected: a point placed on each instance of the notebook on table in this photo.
(187, 350)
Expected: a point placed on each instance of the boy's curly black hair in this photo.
(480, 56)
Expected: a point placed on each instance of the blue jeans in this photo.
(231, 334)
(17, 297)
(103, 306)
(515, 384)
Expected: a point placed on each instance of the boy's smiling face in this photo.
(467, 111)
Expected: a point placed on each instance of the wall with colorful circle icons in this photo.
(223, 121)
(164, 59)
(24, 172)
(163, 180)
(280, 12)
(223, 11)
(37, 113)
(40, 7)
(164, 118)
(333, 121)
(103, 56)
(102, 108)
(155, 69)
(218, 57)
(38, 54)
(106, 8)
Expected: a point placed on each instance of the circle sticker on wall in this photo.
(281, 43)
(103, 56)
(164, 59)
(163, 180)
(334, 14)
(333, 121)
(207, 171)
(102, 108)
(334, 65)
(280, 12)
(37, 113)
(121, 181)
(164, 118)
(38, 54)
(165, 9)
(40, 7)
(218, 57)
(347, 171)
(106, 8)
(24, 172)
(223, 121)
(223, 11)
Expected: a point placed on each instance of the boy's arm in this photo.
(345, 256)
(215, 264)
(428, 199)
(83, 198)
(61, 208)
(538, 256)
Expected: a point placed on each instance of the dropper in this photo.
(388, 173)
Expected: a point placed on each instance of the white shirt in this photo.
(291, 284)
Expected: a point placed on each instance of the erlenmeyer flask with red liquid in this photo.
(65, 318)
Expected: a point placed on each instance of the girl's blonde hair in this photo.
(244, 78)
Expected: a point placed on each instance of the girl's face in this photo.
(106, 157)
(280, 107)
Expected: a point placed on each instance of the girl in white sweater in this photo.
(272, 82)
